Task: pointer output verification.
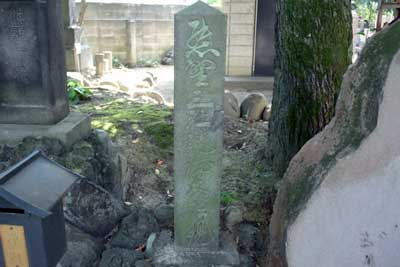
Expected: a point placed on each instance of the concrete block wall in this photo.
(138, 31)
(241, 36)
(131, 31)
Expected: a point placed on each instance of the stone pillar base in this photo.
(70, 130)
(227, 255)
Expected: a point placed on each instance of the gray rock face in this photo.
(93, 208)
(266, 114)
(165, 215)
(253, 106)
(143, 263)
(163, 239)
(247, 261)
(231, 105)
(32, 64)
(118, 257)
(82, 249)
(48, 146)
(250, 240)
(233, 215)
(79, 159)
(341, 191)
(135, 229)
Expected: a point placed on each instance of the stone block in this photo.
(226, 255)
(32, 63)
(70, 130)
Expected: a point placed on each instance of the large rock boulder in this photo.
(117, 257)
(93, 208)
(253, 106)
(338, 204)
(82, 249)
(135, 229)
(231, 105)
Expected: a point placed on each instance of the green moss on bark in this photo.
(313, 47)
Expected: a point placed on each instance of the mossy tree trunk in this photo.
(313, 45)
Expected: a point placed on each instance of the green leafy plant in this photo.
(149, 63)
(117, 63)
(77, 92)
(228, 198)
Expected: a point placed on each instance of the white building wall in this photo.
(241, 36)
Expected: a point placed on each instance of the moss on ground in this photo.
(124, 117)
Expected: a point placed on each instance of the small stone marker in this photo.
(200, 44)
(32, 72)
(108, 55)
(100, 66)
(200, 36)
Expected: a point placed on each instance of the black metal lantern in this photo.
(32, 227)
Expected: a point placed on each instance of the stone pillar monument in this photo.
(200, 44)
(32, 73)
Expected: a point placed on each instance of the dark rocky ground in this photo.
(126, 201)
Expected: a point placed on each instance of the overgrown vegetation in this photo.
(367, 9)
(123, 117)
(117, 64)
(77, 92)
(228, 198)
(148, 63)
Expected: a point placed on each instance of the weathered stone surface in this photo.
(154, 96)
(165, 215)
(80, 160)
(233, 215)
(253, 106)
(100, 65)
(32, 65)
(266, 114)
(135, 229)
(227, 255)
(143, 263)
(110, 84)
(247, 261)
(231, 105)
(200, 43)
(70, 130)
(82, 249)
(118, 257)
(338, 203)
(93, 209)
(250, 239)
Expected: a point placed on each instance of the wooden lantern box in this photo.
(32, 228)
